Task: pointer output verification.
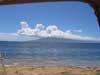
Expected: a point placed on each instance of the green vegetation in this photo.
(98, 72)
(65, 73)
(1, 72)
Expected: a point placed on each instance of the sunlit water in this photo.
(51, 53)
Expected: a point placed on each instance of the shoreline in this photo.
(48, 64)
(7, 65)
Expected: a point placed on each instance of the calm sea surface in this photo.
(51, 53)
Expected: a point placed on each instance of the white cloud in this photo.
(24, 25)
(15, 37)
(27, 33)
(51, 28)
(40, 27)
(74, 31)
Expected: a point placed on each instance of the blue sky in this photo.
(66, 15)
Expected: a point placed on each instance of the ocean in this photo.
(51, 53)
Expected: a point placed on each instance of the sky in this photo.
(73, 18)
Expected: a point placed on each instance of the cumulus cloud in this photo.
(40, 27)
(26, 33)
(24, 25)
(52, 31)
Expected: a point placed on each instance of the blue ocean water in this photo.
(51, 53)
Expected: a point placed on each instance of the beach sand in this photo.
(49, 70)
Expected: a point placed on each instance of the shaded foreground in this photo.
(49, 70)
